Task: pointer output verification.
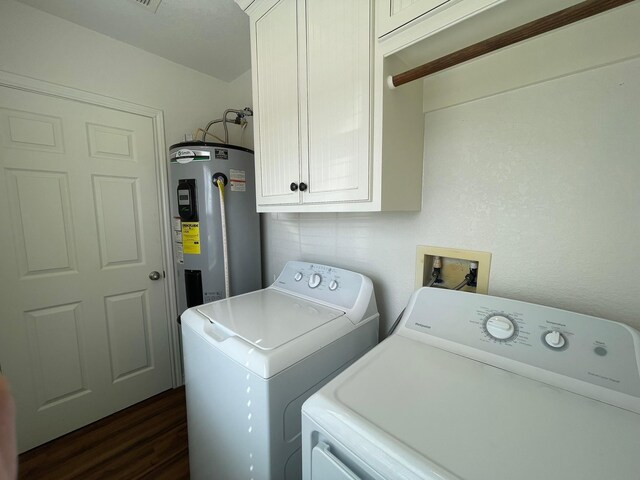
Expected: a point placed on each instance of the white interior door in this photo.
(83, 328)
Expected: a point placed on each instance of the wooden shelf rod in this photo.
(529, 30)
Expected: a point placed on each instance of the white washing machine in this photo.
(251, 361)
(476, 387)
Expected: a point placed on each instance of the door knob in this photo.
(293, 186)
(303, 186)
(154, 275)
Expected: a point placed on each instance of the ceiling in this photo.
(211, 36)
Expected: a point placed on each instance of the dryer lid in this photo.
(268, 318)
(438, 415)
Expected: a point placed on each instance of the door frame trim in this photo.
(28, 84)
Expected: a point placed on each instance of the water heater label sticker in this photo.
(212, 296)
(177, 236)
(221, 154)
(238, 180)
(177, 223)
(191, 238)
(179, 253)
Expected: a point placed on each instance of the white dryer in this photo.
(251, 361)
(476, 387)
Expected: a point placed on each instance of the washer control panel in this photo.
(589, 349)
(321, 282)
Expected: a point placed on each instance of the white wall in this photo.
(546, 177)
(240, 97)
(42, 46)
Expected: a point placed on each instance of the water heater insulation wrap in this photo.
(196, 221)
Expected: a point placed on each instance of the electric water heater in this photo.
(216, 230)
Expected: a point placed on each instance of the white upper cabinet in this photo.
(393, 14)
(423, 30)
(315, 83)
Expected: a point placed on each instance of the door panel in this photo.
(129, 342)
(31, 131)
(83, 330)
(277, 110)
(116, 201)
(57, 353)
(110, 142)
(40, 203)
(338, 100)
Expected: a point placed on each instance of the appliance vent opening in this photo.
(151, 5)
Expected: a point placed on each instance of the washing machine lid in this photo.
(438, 415)
(268, 318)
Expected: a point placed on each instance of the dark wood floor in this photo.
(147, 440)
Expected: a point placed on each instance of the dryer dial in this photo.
(500, 327)
(554, 339)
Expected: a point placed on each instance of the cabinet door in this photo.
(392, 14)
(337, 79)
(275, 80)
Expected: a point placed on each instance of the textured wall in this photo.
(39, 45)
(544, 177)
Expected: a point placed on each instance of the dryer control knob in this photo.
(314, 280)
(333, 285)
(554, 339)
(500, 327)
(298, 276)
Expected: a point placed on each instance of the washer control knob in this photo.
(500, 327)
(314, 280)
(555, 339)
(298, 276)
(333, 285)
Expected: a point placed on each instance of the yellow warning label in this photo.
(191, 238)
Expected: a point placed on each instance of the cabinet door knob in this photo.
(303, 186)
(293, 186)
